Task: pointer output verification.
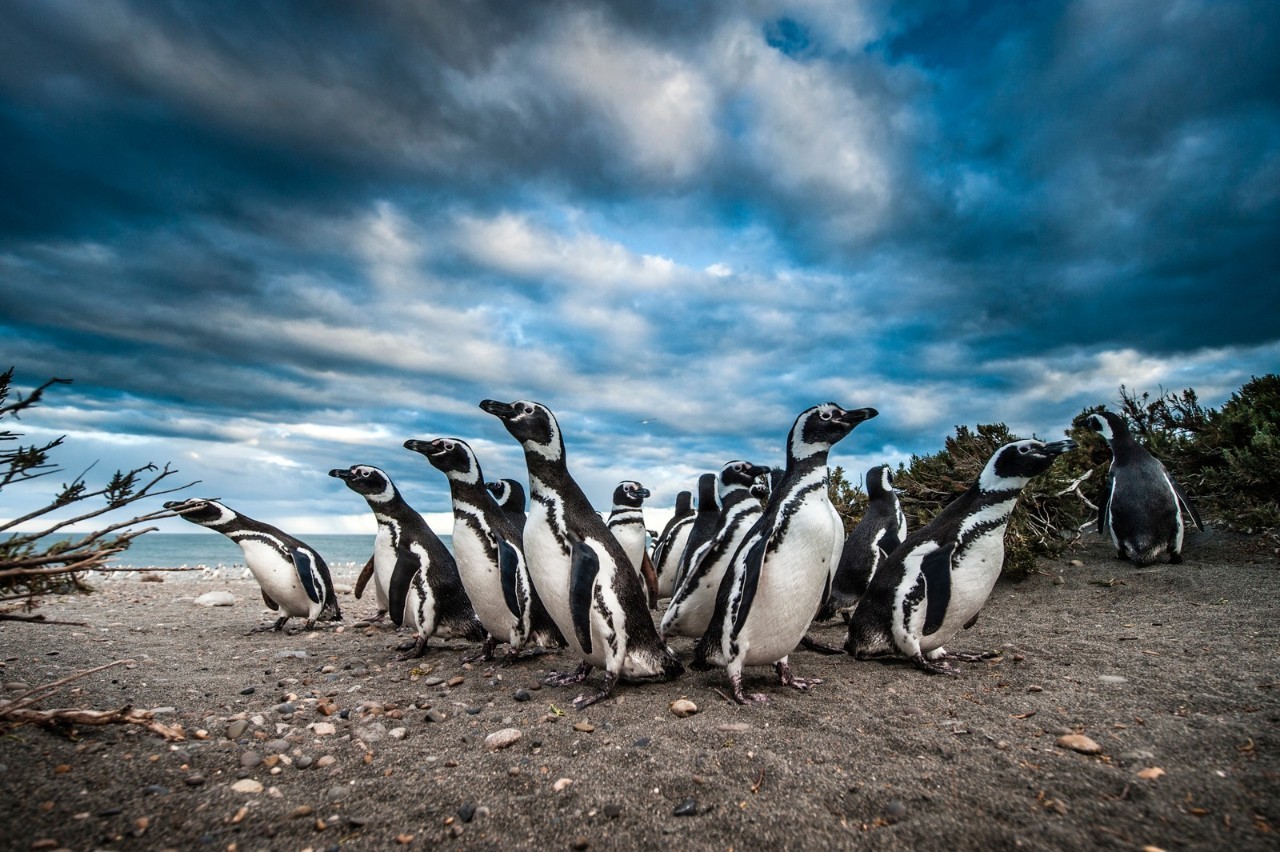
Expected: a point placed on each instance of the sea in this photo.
(216, 554)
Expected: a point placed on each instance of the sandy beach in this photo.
(322, 740)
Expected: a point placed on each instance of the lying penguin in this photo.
(937, 581)
(294, 578)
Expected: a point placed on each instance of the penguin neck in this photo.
(733, 496)
(800, 468)
(551, 473)
(390, 505)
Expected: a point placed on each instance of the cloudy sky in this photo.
(271, 239)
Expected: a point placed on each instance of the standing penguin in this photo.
(424, 591)
(1142, 504)
(778, 576)
(690, 609)
(704, 526)
(878, 534)
(579, 569)
(489, 554)
(626, 522)
(510, 497)
(294, 578)
(670, 544)
(937, 580)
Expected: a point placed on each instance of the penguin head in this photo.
(684, 504)
(760, 490)
(202, 511)
(879, 481)
(369, 482)
(508, 493)
(740, 474)
(1108, 424)
(530, 423)
(1013, 465)
(629, 494)
(451, 456)
(708, 500)
(819, 428)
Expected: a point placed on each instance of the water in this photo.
(344, 554)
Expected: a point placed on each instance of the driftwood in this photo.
(19, 711)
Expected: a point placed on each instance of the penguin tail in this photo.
(472, 630)
(702, 655)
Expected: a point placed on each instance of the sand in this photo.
(1172, 671)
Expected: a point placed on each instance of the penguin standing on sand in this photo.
(670, 544)
(294, 578)
(490, 557)
(705, 521)
(1142, 504)
(938, 579)
(778, 576)
(510, 497)
(579, 569)
(690, 609)
(883, 527)
(424, 591)
(626, 522)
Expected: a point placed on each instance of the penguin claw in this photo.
(932, 667)
(568, 678)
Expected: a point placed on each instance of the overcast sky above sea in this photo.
(269, 239)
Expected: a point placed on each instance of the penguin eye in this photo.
(448, 446)
(528, 409)
(1024, 449)
(825, 415)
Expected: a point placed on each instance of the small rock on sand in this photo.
(502, 739)
(247, 785)
(216, 599)
(683, 707)
(1080, 743)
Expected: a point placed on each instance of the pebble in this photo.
(301, 811)
(155, 790)
(195, 779)
(689, 807)
(337, 793)
(163, 711)
(473, 711)
(467, 811)
(326, 760)
(323, 729)
(522, 695)
(357, 821)
(432, 681)
(581, 843)
(584, 727)
(216, 599)
(682, 708)
(1034, 688)
(247, 785)
(284, 655)
(398, 733)
(1113, 679)
(734, 727)
(249, 690)
(613, 811)
(286, 708)
(561, 784)
(236, 729)
(373, 733)
(1078, 742)
(456, 680)
(502, 739)
(434, 715)
(250, 759)
(278, 746)
(304, 762)
(895, 810)
(642, 742)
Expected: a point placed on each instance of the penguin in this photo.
(690, 609)
(490, 556)
(778, 574)
(626, 522)
(580, 571)
(938, 579)
(511, 499)
(670, 544)
(1142, 504)
(761, 491)
(293, 576)
(883, 527)
(424, 591)
(704, 526)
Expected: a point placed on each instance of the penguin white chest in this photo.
(384, 563)
(549, 569)
(277, 576)
(973, 576)
(790, 586)
(481, 579)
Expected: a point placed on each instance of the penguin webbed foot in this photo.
(742, 697)
(969, 656)
(933, 668)
(568, 678)
(515, 655)
(783, 668)
(275, 626)
(587, 699)
(811, 644)
(412, 650)
(486, 652)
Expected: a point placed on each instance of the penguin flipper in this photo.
(365, 574)
(271, 605)
(305, 566)
(936, 567)
(750, 580)
(398, 592)
(1185, 502)
(508, 565)
(582, 579)
(1104, 505)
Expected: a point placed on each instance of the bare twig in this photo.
(32, 695)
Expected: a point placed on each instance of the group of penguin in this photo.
(763, 555)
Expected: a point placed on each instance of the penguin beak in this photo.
(497, 409)
(339, 473)
(756, 471)
(416, 446)
(643, 492)
(852, 417)
(1057, 448)
(174, 504)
